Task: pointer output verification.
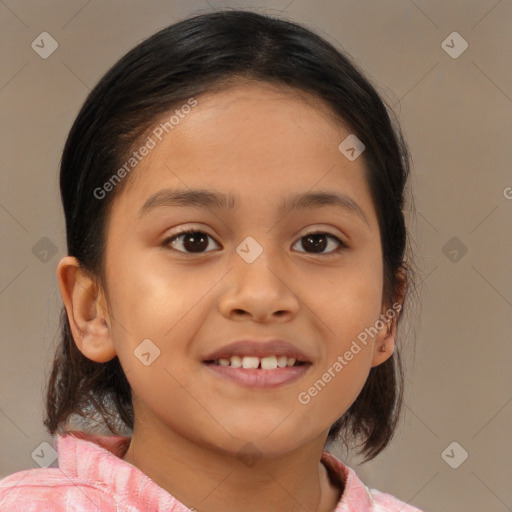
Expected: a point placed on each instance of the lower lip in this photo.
(258, 378)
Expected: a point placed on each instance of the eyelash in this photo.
(180, 234)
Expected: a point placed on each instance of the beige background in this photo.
(457, 117)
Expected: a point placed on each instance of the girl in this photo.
(233, 191)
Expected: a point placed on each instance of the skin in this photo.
(261, 144)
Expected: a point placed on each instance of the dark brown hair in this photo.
(198, 55)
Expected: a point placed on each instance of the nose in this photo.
(260, 291)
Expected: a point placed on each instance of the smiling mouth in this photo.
(253, 362)
(258, 372)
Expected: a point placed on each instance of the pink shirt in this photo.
(92, 476)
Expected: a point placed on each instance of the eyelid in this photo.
(331, 231)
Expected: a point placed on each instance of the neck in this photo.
(212, 480)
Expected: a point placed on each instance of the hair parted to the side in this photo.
(200, 54)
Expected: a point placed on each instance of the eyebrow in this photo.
(215, 200)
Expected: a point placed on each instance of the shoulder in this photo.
(387, 503)
(50, 489)
(356, 496)
(372, 500)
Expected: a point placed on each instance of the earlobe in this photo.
(384, 343)
(385, 339)
(86, 310)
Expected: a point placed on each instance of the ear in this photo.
(87, 311)
(385, 339)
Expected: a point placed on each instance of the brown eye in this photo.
(196, 242)
(318, 242)
(191, 241)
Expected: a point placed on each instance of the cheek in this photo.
(347, 308)
(154, 317)
(149, 298)
(332, 393)
(157, 311)
(347, 303)
(340, 375)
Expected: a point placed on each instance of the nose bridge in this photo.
(259, 284)
(258, 261)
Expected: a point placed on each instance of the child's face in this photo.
(262, 147)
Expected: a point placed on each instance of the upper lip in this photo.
(274, 347)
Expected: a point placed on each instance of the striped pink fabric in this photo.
(92, 476)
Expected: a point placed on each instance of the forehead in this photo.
(267, 110)
(251, 140)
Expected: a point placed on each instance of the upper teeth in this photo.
(267, 363)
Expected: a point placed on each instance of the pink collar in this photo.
(98, 459)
